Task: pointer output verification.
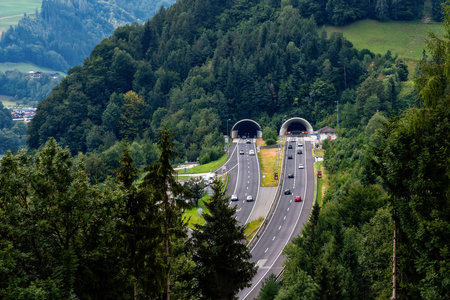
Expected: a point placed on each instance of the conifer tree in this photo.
(223, 266)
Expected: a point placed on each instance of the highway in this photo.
(289, 216)
(244, 177)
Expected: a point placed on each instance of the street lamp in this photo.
(227, 125)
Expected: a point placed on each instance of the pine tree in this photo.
(221, 257)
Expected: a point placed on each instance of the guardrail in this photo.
(272, 207)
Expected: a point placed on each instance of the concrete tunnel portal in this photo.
(247, 128)
(296, 126)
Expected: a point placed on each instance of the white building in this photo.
(326, 133)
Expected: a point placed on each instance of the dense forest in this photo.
(200, 63)
(75, 213)
(65, 32)
(388, 196)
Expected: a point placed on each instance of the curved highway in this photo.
(289, 216)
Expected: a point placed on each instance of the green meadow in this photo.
(12, 11)
(24, 67)
(407, 39)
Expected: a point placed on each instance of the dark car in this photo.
(290, 147)
(241, 152)
(298, 199)
(287, 192)
(291, 176)
(299, 152)
(289, 156)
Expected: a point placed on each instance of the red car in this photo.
(298, 199)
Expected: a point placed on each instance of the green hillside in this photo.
(407, 38)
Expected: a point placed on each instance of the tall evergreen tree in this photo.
(221, 257)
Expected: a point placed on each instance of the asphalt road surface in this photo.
(244, 178)
(289, 216)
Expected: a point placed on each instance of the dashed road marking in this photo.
(288, 209)
(279, 227)
(284, 218)
(273, 238)
(266, 250)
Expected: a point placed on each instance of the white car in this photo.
(299, 144)
(249, 198)
(234, 198)
(300, 166)
(251, 152)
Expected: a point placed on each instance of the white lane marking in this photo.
(288, 209)
(284, 218)
(243, 201)
(290, 201)
(266, 250)
(248, 181)
(239, 209)
(287, 241)
(247, 188)
(279, 227)
(260, 263)
(273, 238)
(259, 182)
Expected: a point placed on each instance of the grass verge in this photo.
(252, 227)
(209, 167)
(192, 213)
(321, 182)
(268, 161)
(405, 38)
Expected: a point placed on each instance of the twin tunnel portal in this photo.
(251, 129)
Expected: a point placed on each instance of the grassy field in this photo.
(407, 39)
(12, 11)
(24, 67)
(209, 167)
(7, 101)
(193, 214)
(268, 161)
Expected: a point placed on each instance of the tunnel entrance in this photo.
(246, 128)
(296, 126)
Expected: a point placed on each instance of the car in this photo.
(299, 151)
(234, 198)
(290, 175)
(248, 141)
(298, 199)
(289, 156)
(211, 180)
(290, 147)
(287, 192)
(251, 152)
(244, 137)
(300, 166)
(299, 144)
(249, 198)
(241, 152)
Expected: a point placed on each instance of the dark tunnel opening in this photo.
(247, 129)
(296, 128)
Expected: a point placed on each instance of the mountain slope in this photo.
(65, 32)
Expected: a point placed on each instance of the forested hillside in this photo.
(202, 62)
(65, 32)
